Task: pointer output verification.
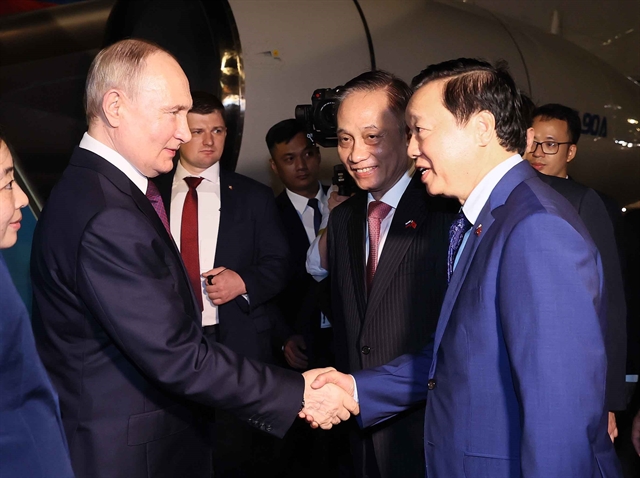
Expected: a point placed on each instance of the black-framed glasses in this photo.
(548, 147)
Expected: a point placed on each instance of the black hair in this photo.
(398, 92)
(474, 85)
(570, 116)
(283, 132)
(205, 103)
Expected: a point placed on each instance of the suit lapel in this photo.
(228, 215)
(498, 197)
(411, 208)
(355, 239)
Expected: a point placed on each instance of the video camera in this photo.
(319, 117)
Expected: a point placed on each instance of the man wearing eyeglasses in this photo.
(555, 141)
(556, 131)
(234, 248)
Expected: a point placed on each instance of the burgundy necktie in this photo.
(377, 212)
(189, 247)
(156, 201)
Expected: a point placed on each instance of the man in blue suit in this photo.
(515, 378)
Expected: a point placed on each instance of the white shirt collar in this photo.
(392, 196)
(480, 194)
(300, 202)
(91, 144)
(212, 173)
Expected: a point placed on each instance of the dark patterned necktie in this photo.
(317, 215)
(189, 245)
(377, 212)
(156, 201)
(458, 229)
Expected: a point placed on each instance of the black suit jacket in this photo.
(303, 299)
(599, 223)
(119, 331)
(251, 242)
(399, 316)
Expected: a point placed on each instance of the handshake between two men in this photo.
(328, 398)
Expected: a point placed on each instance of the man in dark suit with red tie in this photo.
(387, 249)
(116, 321)
(226, 225)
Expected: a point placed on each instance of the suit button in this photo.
(431, 384)
(366, 349)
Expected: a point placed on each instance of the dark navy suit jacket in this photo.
(32, 442)
(119, 331)
(251, 242)
(515, 379)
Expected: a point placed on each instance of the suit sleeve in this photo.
(269, 273)
(595, 216)
(551, 316)
(392, 388)
(121, 255)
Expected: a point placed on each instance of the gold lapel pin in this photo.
(230, 187)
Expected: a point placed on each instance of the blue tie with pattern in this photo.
(458, 229)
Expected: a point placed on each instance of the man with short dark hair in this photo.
(515, 377)
(235, 235)
(555, 131)
(303, 209)
(555, 141)
(386, 259)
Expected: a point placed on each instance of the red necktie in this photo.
(377, 212)
(189, 247)
(156, 201)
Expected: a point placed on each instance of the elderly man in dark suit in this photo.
(386, 255)
(117, 324)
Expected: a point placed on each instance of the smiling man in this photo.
(515, 377)
(386, 257)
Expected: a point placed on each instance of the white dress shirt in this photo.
(208, 224)
(305, 213)
(91, 144)
(480, 195)
(392, 198)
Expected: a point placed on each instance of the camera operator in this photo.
(385, 249)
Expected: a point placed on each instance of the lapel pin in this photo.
(230, 187)
(410, 224)
(478, 230)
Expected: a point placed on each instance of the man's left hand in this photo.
(225, 286)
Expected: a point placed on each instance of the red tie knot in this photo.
(193, 182)
(378, 210)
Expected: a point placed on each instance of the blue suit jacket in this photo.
(32, 442)
(516, 375)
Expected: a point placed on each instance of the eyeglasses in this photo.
(548, 147)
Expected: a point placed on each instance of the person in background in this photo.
(303, 209)
(226, 225)
(553, 143)
(32, 442)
